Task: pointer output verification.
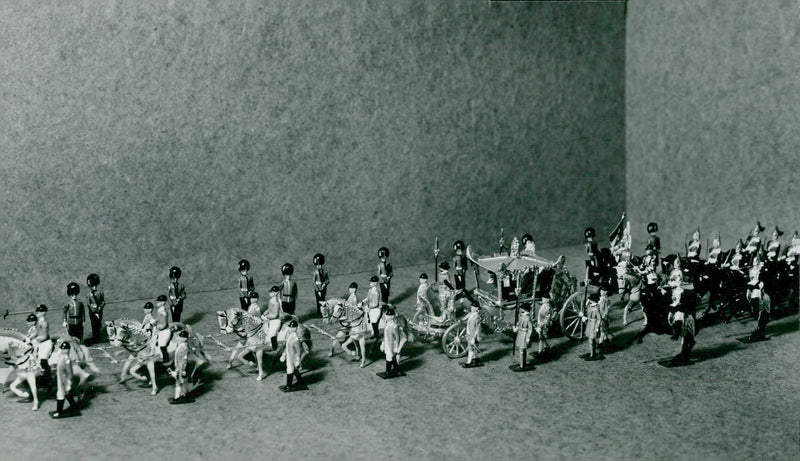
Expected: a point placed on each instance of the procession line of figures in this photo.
(750, 279)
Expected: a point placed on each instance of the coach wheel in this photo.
(571, 317)
(454, 341)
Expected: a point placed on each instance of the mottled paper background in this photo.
(138, 135)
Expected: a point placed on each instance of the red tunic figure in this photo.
(321, 281)
(288, 289)
(95, 300)
(164, 333)
(385, 273)
(177, 293)
(74, 313)
(246, 285)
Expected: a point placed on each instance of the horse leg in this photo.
(151, 370)
(34, 393)
(125, 368)
(346, 343)
(259, 353)
(15, 386)
(363, 343)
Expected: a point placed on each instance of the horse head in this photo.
(122, 331)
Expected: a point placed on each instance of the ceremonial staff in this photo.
(436, 252)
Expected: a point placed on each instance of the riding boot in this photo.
(395, 365)
(289, 380)
(375, 331)
(274, 343)
(47, 375)
(164, 355)
(299, 377)
(388, 368)
(71, 400)
(523, 359)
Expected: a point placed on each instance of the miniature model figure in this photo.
(621, 247)
(676, 274)
(693, 250)
(394, 338)
(473, 338)
(764, 311)
(523, 329)
(735, 259)
(594, 320)
(179, 373)
(423, 302)
(446, 294)
(96, 302)
(592, 251)
(654, 241)
(288, 289)
(385, 273)
(26, 364)
(254, 323)
(794, 248)
(148, 321)
(43, 344)
(163, 331)
(459, 265)
(754, 286)
(177, 293)
(64, 383)
(543, 329)
(753, 243)
(246, 285)
(321, 281)
(357, 325)
(528, 247)
(293, 356)
(74, 313)
(683, 326)
(774, 245)
(713, 252)
(373, 303)
(273, 316)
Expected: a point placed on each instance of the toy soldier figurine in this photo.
(177, 293)
(43, 344)
(528, 247)
(543, 330)
(384, 274)
(683, 327)
(621, 246)
(676, 274)
(693, 250)
(446, 293)
(293, 354)
(594, 319)
(179, 373)
(735, 260)
(373, 303)
(473, 338)
(459, 265)
(246, 285)
(654, 240)
(357, 324)
(64, 383)
(288, 289)
(592, 252)
(423, 302)
(764, 311)
(163, 331)
(148, 322)
(27, 366)
(774, 245)
(74, 313)
(794, 248)
(96, 302)
(523, 329)
(753, 243)
(321, 281)
(394, 338)
(754, 286)
(713, 252)
(272, 316)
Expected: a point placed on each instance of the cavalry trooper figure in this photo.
(96, 302)
(288, 289)
(384, 273)
(693, 250)
(713, 252)
(654, 241)
(321, 281)
(753, 243)
(177, 293)
(459, 265)
(246, 285)
(373, 305)
(774, 245)
(43, 343)
(74, 313)
(163, 331)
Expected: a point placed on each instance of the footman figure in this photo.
(246, 285)
(394, 338)
(293, 355)
(74, 313)
(473, 338)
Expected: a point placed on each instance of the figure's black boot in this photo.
(395, 366)
(289, 381)
(299, 377)
(274, 343)
(59, 409)
(164, 355)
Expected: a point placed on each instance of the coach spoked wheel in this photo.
(454, 340)
(571, 317)
(422, 324)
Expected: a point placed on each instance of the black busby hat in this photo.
(389, 311)
(652, 227)
(183, 334)
(41, 308)
(353, 285)
(244, 265)
(319, 258)
(287, 269)
(589, 232)
(175, 272)
(383, 251)
(93, 280)
(73, 289)
(526, 238)
(31, 318)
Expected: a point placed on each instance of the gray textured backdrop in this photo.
(140, 136)
(712, 116)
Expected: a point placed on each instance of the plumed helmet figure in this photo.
(319, 259)
(174, 272)
(244, 265)
(93, 280)
(73, 289)
(458, 245)
(526, 238)
(652, 227)
(589, 233)
(287, 269)
(383, 252)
